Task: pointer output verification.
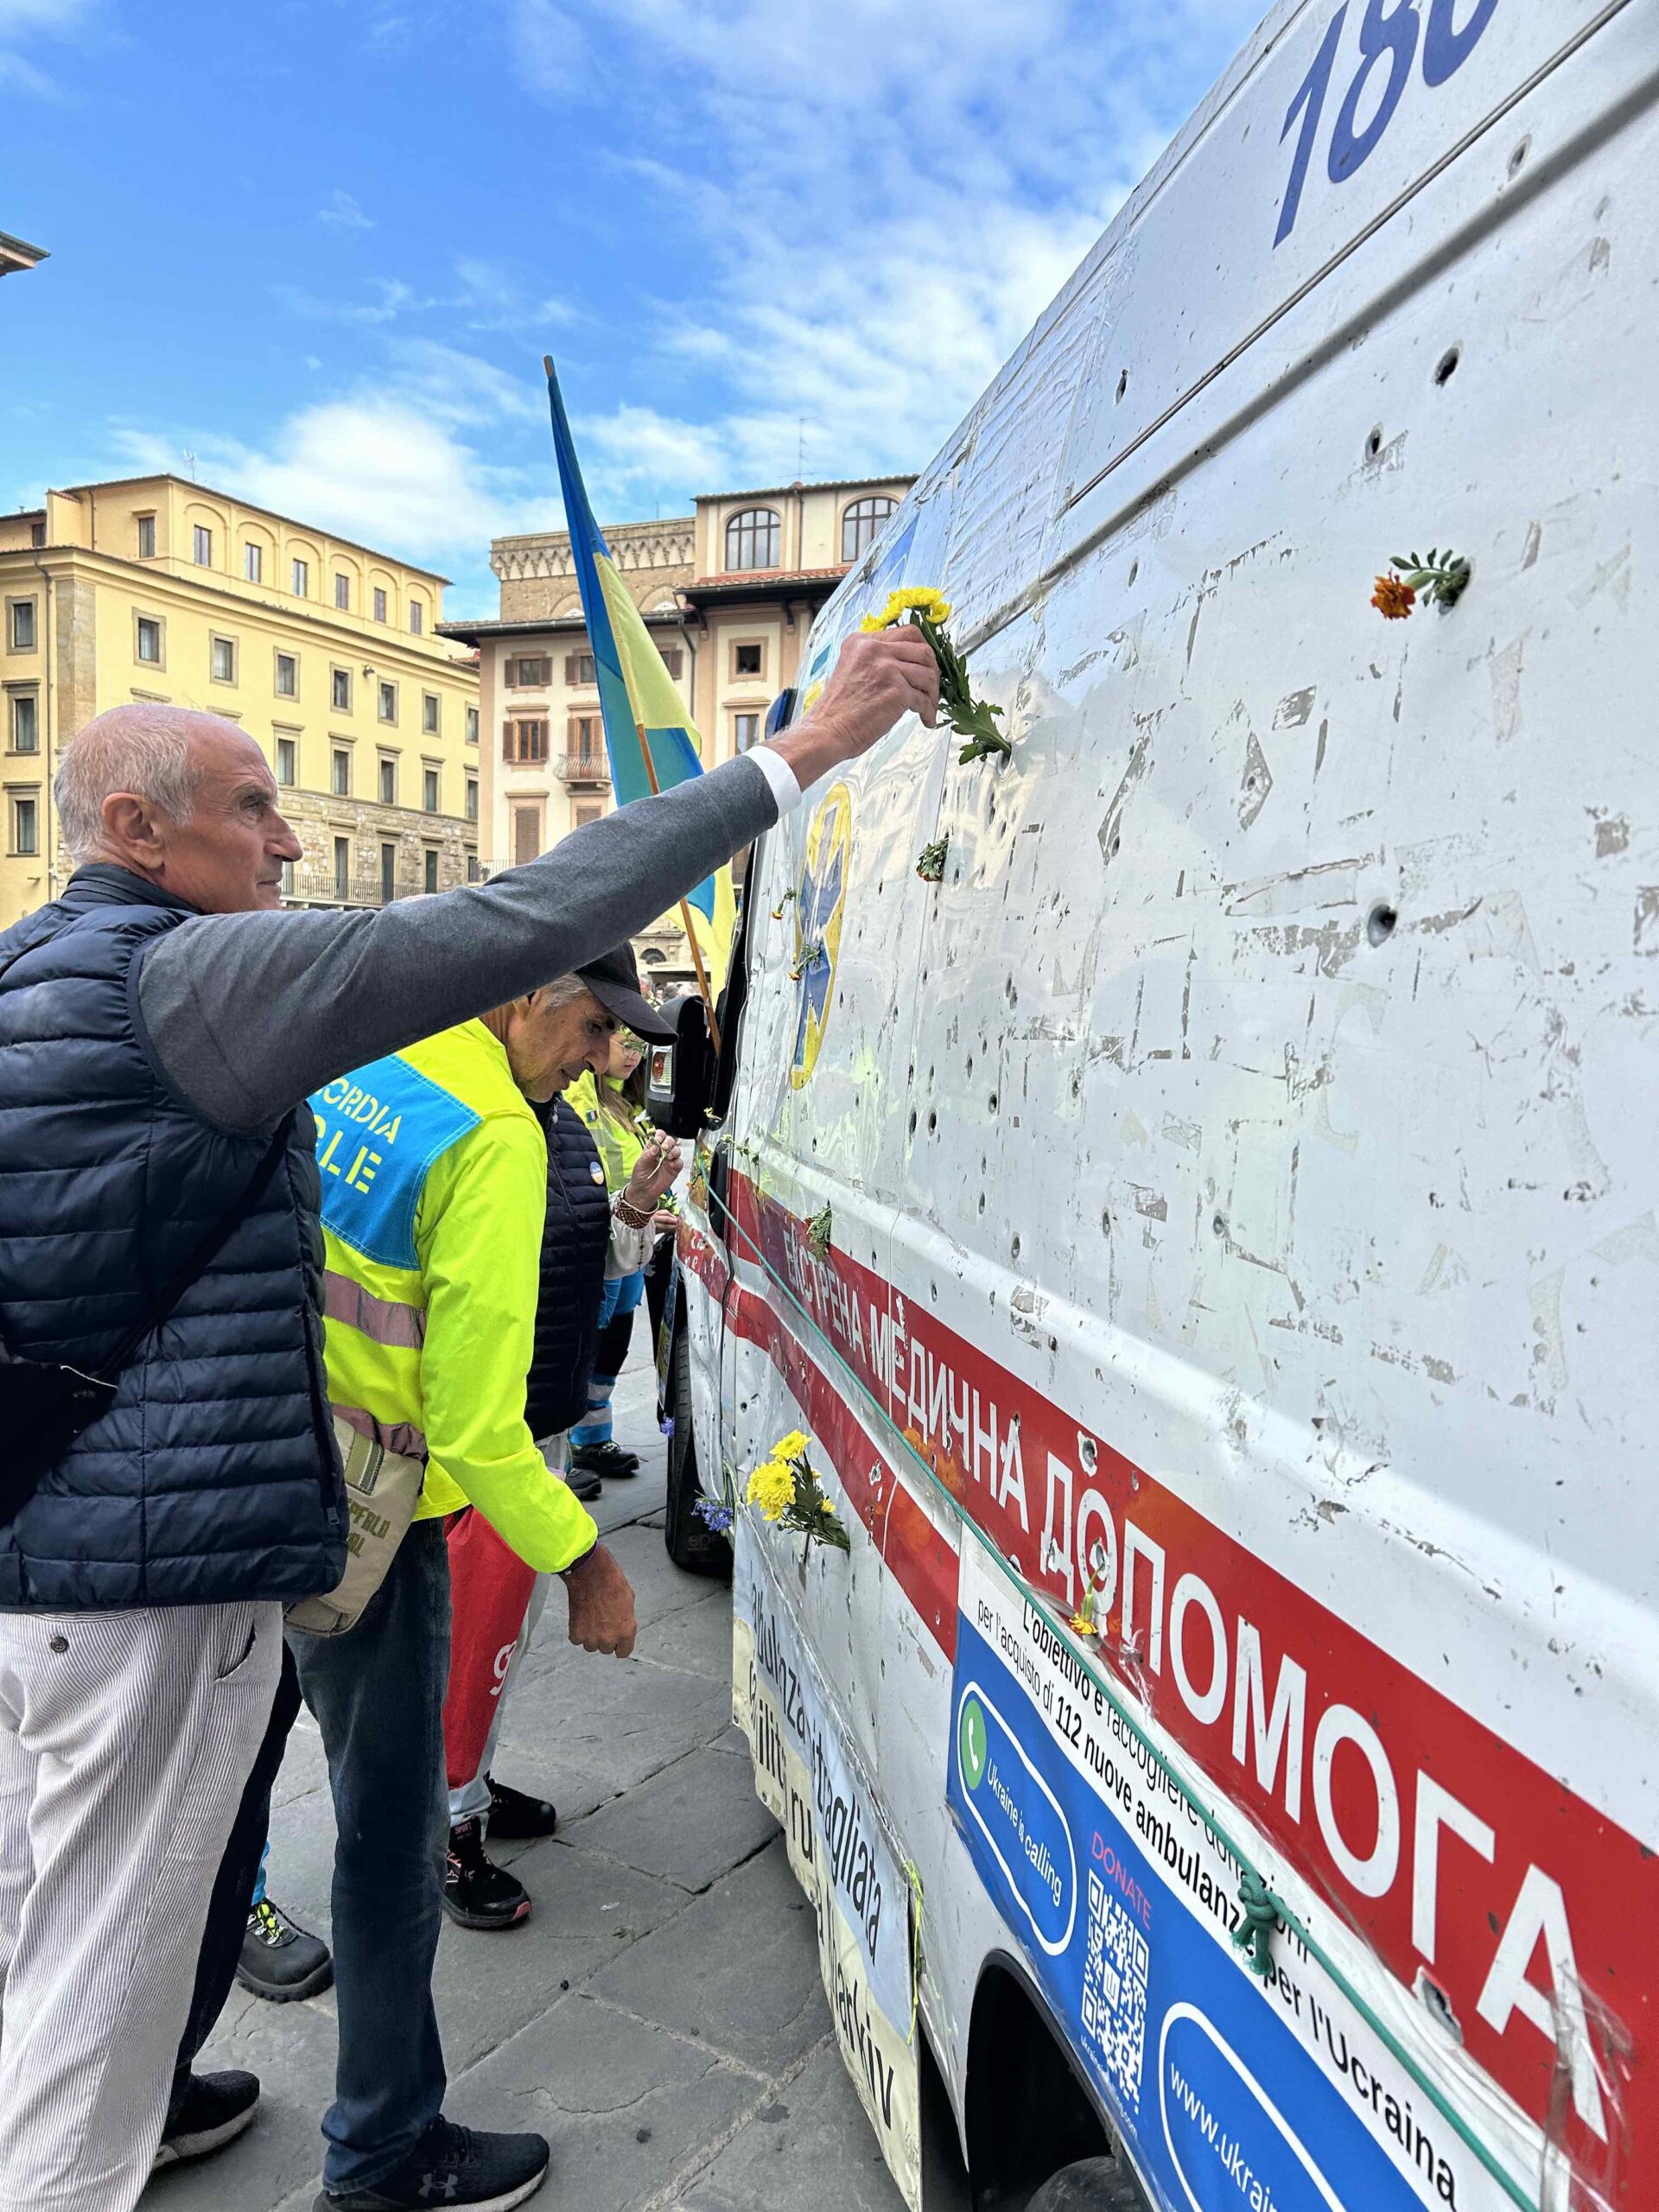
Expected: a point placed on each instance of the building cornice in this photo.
(266, 514)
(573, 626)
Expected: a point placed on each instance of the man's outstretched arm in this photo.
(246, 1013)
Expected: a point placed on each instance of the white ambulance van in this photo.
(1209, 1238)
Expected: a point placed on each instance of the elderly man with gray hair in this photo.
(162, 1023)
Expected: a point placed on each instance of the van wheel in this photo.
(690, 1542)
(1093, 2185)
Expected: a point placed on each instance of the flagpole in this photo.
(685, 911)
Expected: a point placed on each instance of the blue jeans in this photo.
(378, 1695)
(616, 1309)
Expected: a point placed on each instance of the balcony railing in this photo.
(585, 768)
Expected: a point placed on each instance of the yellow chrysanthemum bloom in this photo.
(791, 1447)
(923, 599)
(875, 622)
(771, 1487)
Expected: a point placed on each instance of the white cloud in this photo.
(21, 21)
(344, 212)
(549, 47)
(405, 464)
(395, 298)
(887, 200)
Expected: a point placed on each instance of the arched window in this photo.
(753, 539)
(861, 525)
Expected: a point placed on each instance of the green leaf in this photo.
(1401, 561)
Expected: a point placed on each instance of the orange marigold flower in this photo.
(1392, 599)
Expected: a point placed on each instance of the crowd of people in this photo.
(321, 1237)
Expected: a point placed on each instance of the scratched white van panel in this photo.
(1261, 1102)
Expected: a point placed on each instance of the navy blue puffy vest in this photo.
(574, 1245)
(213, 1475)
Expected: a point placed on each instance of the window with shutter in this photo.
(527, 834)
(570, 668)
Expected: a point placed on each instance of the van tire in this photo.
(1093, 2185)
(690, 1544)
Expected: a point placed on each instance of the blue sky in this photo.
(323, 244)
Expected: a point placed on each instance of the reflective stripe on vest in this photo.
(386, 1320)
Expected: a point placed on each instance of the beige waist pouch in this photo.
(382, 1489)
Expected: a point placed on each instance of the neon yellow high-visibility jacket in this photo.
(619, 1143)
(433, 1193)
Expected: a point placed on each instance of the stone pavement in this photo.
(659, 2017)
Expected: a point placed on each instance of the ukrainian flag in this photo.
(651, 742)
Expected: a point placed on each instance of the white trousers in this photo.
(126, 1739)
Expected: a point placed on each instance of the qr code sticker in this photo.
(1115, 1991)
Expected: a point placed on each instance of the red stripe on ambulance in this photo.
(1456, 1855)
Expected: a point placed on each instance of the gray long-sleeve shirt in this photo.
(247, 1014)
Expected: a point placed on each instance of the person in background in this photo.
(613, 1106)
(496, 1599)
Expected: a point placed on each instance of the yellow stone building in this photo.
(327, 652)
(730, 592)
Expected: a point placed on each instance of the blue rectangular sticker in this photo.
(1233, 2094)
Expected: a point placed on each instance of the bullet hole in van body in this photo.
(1219, 1224)
(1014, 1247)
(1134, 570)
(1374, 443)
(912, 1121)
(1380, 923)
(1122, 383)
(933, 1123)
(993, 1102)
(982, 1202)
(1106, 1221)
(1438, 2005)
(1518, 157)
(1446, 367)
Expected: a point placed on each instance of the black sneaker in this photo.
(605, 1459)
(477, 1893)
(207, 2111)
(514, 1813)
(453, 2165)
(585, 1487)
(279, 1960)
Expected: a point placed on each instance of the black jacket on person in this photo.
(212, 1475)
(574, 1247)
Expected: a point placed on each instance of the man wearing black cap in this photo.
(496, 1598)
(433, 1259)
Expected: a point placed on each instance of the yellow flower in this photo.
(771, 1487)
(792, 1447)
(923, 599)
(1083, 1622)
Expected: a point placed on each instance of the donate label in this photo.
(1232, 2095)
